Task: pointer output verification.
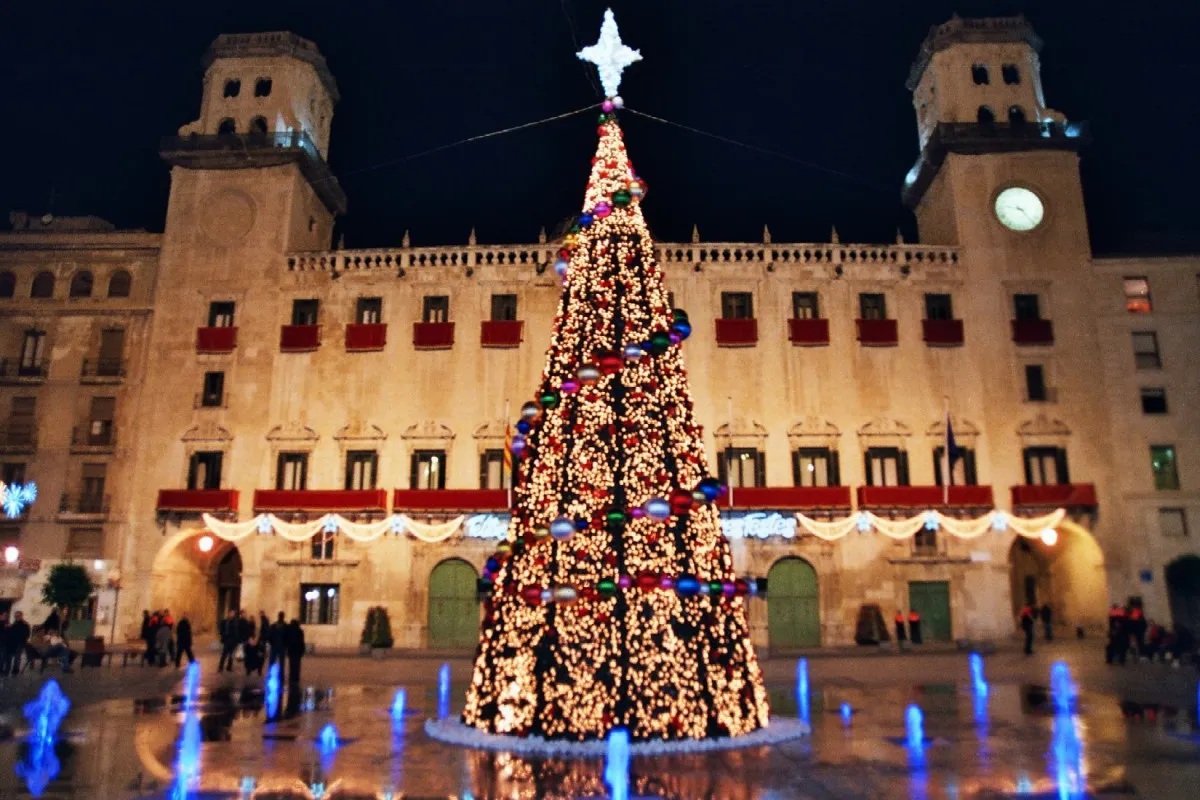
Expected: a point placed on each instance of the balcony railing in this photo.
(92, 504)
(1055, 495)
(299, 338)
(322, 500)
(923, 496)
(789, 498)
(22, 370)
(433, 335)
(737, 332)
(102, 370)
(450, 500)
(216, 340)
(808, 332)
(877, 332)
(185, 501)
(501, 333)
(942, 332)
(364, 337)
(18, 436)
(1033, 331)
(99, 434)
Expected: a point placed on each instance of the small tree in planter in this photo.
(67, 585)
(368, 631)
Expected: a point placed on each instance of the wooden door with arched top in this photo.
(453, 605)
(793, 608)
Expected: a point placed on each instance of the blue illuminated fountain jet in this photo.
(444, 691)
(45, 713)
(1066, 749)
(616, 765)
(802, 690)
(187, 757)
(272, 691)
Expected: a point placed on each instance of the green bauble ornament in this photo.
(714, 588)
(603, 118)
(614, 522)
(549, 399)
(679, 315)
(621, 197)
(606, 587)
(660, 341)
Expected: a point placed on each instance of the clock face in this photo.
(1019, 209)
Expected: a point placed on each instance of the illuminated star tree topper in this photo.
(610, 55)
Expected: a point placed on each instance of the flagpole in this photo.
(728, 452)
(507, 459)
(947, 473)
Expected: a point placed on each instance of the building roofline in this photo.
(273, 44)
(80, 240)
(973, 31)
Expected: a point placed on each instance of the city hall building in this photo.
(236, 365)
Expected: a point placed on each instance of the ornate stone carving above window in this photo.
(207, 432)
(428, 432)
(813, 431)
(1041, 430)
(885, 432)
(491, 431)
(292, 432)
(964, 430)
(360, 432)
(745, 433)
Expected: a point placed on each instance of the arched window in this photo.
(43, 285)
(8, 283)
(979, 74)
(227, 127)
(81, 284)
(119, 284)
(233, 87)
(1016, 116)
(262, 87)
(258, 125)
(1011, 73)
(985, 116)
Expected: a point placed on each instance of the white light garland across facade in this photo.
(997, 520)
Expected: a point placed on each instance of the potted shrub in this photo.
(368, 632)
(381, 632)
(69, 586)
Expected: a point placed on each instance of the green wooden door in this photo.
(453, 607)
(793, 613)
(931, 599)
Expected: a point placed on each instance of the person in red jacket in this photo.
(1028, 625)
(901, 637)
(1117, 646)
(914, 626)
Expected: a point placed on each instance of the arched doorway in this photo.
(203, 585)
(453, 605)
(229, 583)
(793, 609)
(1068, 575)
(1183, 592)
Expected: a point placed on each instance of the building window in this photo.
(963, 471)
(81, 284)
(362, 466)
(1046, 466)
(872, 306)
(979, 74)
(258, 125)
(1011, 74)
(938, 306)
(42, 287)
(304, 312)
(226, 127)
(291, 471)
(886, 466)
(1154, 400)
(737, 305)
(1016, 116)
(233, 87)
(985, 116)
(85, 543)
(743, 467)
(100, 421)
(815, 466)
(204, 470)
(1145, 350)
(322, 545)
(22, 421)
(12, 472)
(805, 305)
(1035, 383)
(8, 284)
(119, 284)
(1172, 522)
(1162, 463)
(92, 478)
(925, 543)
(435, 308)
(1137, 295)
(1027, 306)
(492, 472)
(213, 395)
(368, 310)
(33, 348)
(504, 308)
(319, 603)
(262, 87)
(428, 470)
(220, 314)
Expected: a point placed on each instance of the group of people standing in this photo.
(265, 643)
(41, 643)
(1130, 632)
(914, 627)
(166, 640)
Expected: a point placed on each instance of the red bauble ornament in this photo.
(532, 595)
(610, 363)
(681, 502)
(646, 581)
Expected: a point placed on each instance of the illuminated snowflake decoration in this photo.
(264, 524)
(331, 525)
(1000, 521)
(931, 521)
(397, 525)
(16, 497)
(486, 526)
(610, 55)
(864, 522)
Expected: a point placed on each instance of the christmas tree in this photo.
(614, 602)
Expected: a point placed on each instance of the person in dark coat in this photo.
(1117, 646)
(914, 626)
(1048, 622)
(151, 637)
(53, 623)
(1028, 625)
(294, 642)
(183, 641)
(264, 625)
(253, 655)
(3, 642)
(1137, 629)
(901, 636)
(228, 632)
(16, 636)
(146, 635)
(277, 639)
(245, 628)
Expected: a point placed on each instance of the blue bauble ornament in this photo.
(711, 487)
(523, 427)
(657, 508)
(581, 524)
(585, 220)
(562, 529)
(687, 586)
(684, 329)
(633, 352)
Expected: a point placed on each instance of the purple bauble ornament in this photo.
(618, 102)
(607, 106)
(602, 210)
(624, 581)
(667, 582)
(637, 513)
(728, 588)
(675, 337)
(517, 445)
(569, 387)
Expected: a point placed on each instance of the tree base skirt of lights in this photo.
(451, 730)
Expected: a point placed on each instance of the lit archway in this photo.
(1183, 592)
(194, 581)
(453, 605)
(1068, 575)
(793, 605)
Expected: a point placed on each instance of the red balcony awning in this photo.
(323, 500)
(942, 332)
(501, 333)
(433, 335)
(923, 496)
(450, 500)
(789, 498)
(364, 337)
(1033, 331)
(877, 332)
(299, 338)
(197, 500)
(808, 332)
(737, 332)
(216, 340)
(1058, 495)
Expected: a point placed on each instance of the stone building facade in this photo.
(263, 372)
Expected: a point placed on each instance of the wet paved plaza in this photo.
(133, 733)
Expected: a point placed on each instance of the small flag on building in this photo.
(951, 452)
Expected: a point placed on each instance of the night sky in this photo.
(90, 89)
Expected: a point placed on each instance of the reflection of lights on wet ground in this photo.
(846, 713)
(1066, 747)
(802, 689)
(272, 687)
(398, 705)
(978, 683)
(444, 691)
(616, 765)
(914, 742)
(45, 714)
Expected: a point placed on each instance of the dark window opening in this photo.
(368, 310)
(322, 545)
(737, 305)
(227, 127)
(304, 312)
(1016, 116)
(435, 308)
(1154, 400)
(362, 467)
(1035, 383)
(886, 466)
(1027, 306)
(233, 87)
(428, 470)
(815, 466)
(492, 472)
(291, 471)
(805, 305)
(1145, 350)
(504, 307)
(33, 349)
(985, 116)
(1045, 466)
(743, 467)
(213, 395)
(42, 286)
(979, 74)
(81, 284)
(262, 87)
(258, 125)
(12, 472)
(1011, 74)
(962, 473)
(8, 284)
(220, 314)
(204, 470)
(872, 306)
(119, 284)
(1162, 463)
(938, 306)
(319, 603)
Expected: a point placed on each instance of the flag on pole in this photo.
(508, 461)
(951, 452)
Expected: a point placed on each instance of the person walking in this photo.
(294, 642)
(228, 632)
(145, 636)
(901, 636)
(1137, 630)
(1117, 645)
(16, 636)
(151, 637)
(1028, 625)
(914, 626)
(264, 625)
(1048, 622)
(183, 641)
(277, 639)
